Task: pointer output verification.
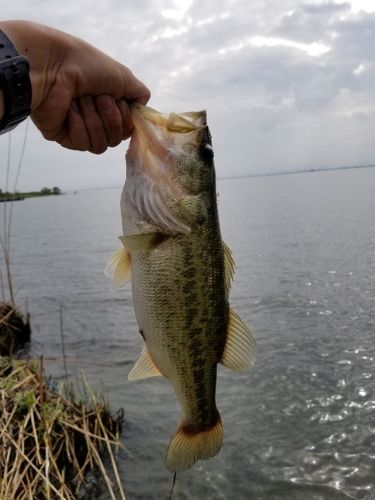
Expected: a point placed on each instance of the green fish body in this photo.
(180, 272)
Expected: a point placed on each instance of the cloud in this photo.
(325, 8)
(286, 84)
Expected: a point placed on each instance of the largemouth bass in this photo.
(180, 271)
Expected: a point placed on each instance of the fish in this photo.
(181, 272)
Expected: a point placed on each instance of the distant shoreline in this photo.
(6, 197)
(219, 178)
(291, 172)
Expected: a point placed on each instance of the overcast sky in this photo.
(287, 84)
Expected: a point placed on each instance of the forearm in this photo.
(80, 96)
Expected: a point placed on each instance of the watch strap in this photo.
(15, 84)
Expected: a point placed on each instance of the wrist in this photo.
(31, 40)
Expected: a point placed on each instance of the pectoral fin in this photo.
(119, 268)
(239, 351)
(143, 242)
(144, 367)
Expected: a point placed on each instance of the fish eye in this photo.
(201, 219)
(206, 151)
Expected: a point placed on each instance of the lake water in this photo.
(301, 424)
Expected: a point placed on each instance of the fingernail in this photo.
(105, 103)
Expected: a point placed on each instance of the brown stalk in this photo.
(48, 444)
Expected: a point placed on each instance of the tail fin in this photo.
(186, 447)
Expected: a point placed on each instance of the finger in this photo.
(94, 125)
(76, 136)
(133, 89)
(127, 125)
(143, 92)
(111, 119)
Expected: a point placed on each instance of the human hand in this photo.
(81, 96)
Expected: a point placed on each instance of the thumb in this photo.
(135, 90)
(107, 76)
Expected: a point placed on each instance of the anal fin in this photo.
(239, 351)
(144, 367)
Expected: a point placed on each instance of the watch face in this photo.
(15, 84)
(7, 49)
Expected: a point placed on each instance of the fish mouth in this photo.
(164, 138)
(158, 143)
(174, 122)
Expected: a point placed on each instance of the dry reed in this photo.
(53, 445)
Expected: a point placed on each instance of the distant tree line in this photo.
(54, 190)
(45, 191)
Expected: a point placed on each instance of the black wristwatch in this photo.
(15, 84)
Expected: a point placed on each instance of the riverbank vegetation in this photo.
(58, 441)
(54, 444)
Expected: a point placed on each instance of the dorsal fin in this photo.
(239, 351)
(228, 267)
